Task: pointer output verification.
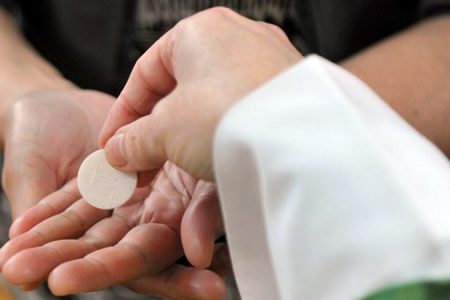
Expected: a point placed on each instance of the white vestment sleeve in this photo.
(326, 192)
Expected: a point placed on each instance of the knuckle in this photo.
(220, 11)
(208, 16)
(135, 146)
(217, 15)
(276, 30)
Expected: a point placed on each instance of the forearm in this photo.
(411, 71)
(23, 69)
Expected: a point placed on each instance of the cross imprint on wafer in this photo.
(103, 186)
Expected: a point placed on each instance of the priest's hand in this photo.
(181, 87)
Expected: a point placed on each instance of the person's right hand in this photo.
(47, 134)
(196, 71)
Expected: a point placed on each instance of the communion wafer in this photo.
(103, 186)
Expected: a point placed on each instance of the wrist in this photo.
(36, 80)
(24, 74)
(23, 70)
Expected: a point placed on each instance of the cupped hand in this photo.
(47, 135)
(182, 86)
(80, 248)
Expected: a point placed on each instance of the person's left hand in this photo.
(80, 248)
(46, 134)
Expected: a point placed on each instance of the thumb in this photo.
(138, 146)
(173, 131)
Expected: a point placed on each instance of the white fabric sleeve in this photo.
(326, 192)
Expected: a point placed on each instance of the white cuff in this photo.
(326, 192)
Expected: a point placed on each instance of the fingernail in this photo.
(114, 151)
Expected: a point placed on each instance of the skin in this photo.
(34, 100)
(47, 127)
(79, 248)
(177, 78)
(413, 79)
(46, 139)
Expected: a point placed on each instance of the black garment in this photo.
(95, 43)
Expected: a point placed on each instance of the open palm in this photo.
(80, 248)
(47, 136)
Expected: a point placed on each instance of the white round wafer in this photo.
(103, 186)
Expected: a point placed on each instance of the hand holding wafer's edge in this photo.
(103, 186)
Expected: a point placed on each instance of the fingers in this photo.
(70, 224)
(30, 287)
(146, 248)
(51, 205)
(35, 264)
(149, 81)
(139, 146)
(181, 282)
(147, 143)
(201, 225)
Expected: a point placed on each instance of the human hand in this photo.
(47, 134)
(80, 248)
(181, 87)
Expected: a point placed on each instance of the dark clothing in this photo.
(95, 43)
